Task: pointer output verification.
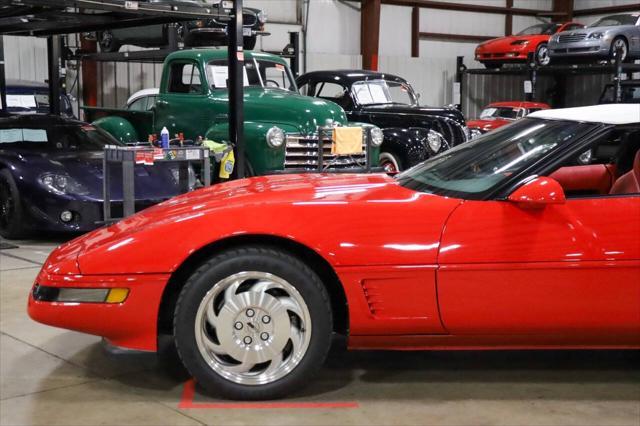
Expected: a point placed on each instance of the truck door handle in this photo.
(221, 117)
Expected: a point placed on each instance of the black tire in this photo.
(108, 42)
(612, 50)
(545, 60)
(11, 217)
(249, 43)
(261, 259)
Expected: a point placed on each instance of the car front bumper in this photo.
(585, 48)
(131, 324)
(518, 53)
(46, 211)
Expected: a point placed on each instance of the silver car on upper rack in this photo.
(600, 40)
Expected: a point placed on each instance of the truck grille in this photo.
(571, 38)
(302, 153)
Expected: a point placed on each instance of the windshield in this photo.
(257, 72)
(615, 20)
(547, 29)
(57, 137)
(378, 92)
(474, 169)
(506, 113)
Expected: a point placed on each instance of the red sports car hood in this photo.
(486, 125)
(328, 213)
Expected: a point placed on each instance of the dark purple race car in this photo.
(51, 176)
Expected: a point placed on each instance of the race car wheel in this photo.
(11, 222)
(253, 323)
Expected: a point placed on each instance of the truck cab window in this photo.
(184, 78)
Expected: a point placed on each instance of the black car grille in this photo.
(451, 130)
(571, 38)
(302, 153)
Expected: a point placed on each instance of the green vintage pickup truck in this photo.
(281, 126)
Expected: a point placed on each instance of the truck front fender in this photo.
(118, 127)
(260, 155)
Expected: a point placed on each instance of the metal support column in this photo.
(617, 78)
(294, 42)
(3, 82)
(53, 54)
(236, 81)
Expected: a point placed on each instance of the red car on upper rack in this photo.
(499, 114)
(515, 48)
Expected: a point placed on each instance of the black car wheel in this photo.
(11, 225)
(250, 42)
(390, 162)
(542, 57)
(253, 323)
(107, 42)
(619, 43)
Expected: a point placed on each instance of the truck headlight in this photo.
(376, 136)
(62, 184)
(275, 137)
(434, 139)
(262, 17)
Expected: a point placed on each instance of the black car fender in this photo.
(409, 145)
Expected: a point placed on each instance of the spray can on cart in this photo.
(164, 137)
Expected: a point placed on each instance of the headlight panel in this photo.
(61, 183)
(595, 36)
(376, 136)
(275, 137)
(434, 139)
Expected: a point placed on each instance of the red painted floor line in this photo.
(188, 394)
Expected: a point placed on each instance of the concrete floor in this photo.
(52, 376)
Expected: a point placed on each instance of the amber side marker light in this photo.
(79, 295)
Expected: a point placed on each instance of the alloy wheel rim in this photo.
(253, 328)
(543, 55)
(622, 45)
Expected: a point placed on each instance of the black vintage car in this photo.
(412, 133)
(210, 32)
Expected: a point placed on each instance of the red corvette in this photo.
(505, 242)
(512, 49)
(500, 114)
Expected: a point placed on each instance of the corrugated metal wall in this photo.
(479, 90)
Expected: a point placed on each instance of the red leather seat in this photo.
(629, 183)
(594, 178)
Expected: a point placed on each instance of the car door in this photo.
(568, 270)
(183, 104)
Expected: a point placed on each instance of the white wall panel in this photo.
(431, 77)
(589, 4)
(333, 28)
(395, 31)
(450, 22)
(325, 61)
(25, 58)
(277, 10)
(533, 4)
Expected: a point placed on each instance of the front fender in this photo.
(261, 156)
(118, 127)
(410, 145)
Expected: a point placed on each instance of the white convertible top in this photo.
(607, 113)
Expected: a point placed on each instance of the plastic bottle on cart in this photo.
(164, 136)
